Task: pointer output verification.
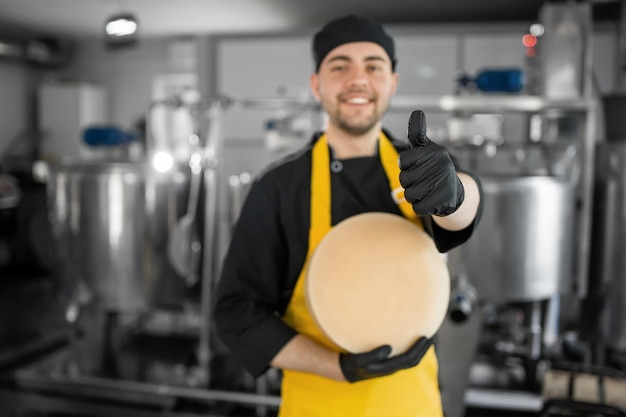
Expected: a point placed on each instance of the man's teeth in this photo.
(358, 100)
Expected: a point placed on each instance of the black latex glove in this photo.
(375, 363)
(428, 174)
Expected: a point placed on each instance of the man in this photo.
(260, 310)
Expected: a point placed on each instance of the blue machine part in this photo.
(500, 80)
(106, 136)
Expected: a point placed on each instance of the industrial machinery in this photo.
(139, 241)
(542, 270)
(131, 315)
(604, 307)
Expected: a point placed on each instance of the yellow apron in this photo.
(411, 392)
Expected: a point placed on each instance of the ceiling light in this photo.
(121, 30)
(121, 27)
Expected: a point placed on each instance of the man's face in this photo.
(355, 84)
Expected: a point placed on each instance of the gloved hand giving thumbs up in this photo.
(428, 174)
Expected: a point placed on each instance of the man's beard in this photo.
(348, 125)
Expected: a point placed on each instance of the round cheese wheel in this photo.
(376, 279)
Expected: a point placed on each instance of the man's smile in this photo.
(356, 98)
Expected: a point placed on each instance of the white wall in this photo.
(125, 74)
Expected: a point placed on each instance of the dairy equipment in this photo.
(605, 306)
(523, 249)
(495, 80)
(530, 254)
(111, 222)
(135, 320)
(528, 260)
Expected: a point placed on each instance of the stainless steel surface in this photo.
(488, 103)
(535, 331)
(130, 391)
(238, 187)
(492, 103)
(171, 122)
(111, 222)
(523, 249)
(585, 198)
(566, 56)
(608, 274)
(27, 403)
(462, 299)
(212, 174)
(502, 399)
(184, 245)
(563, 47)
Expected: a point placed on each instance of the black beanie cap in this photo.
(350, 29)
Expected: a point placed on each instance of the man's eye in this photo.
(375, 68)
(338, 68)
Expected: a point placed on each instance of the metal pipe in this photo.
(445, 103)
(588, 155)
(209, 268)
(586, 201)
(535, 330)
(99, 386)
(484, 103)
(47, 404)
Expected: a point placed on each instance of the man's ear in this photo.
(314, 82)
(396, 80)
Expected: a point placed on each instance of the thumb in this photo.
(419, 348)
(417, 129)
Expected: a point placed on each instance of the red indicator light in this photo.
(529, 40)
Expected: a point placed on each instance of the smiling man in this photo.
(350, 168)
(354, 84)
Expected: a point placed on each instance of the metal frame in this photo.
(135, 392)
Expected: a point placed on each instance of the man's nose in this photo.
(358, 77)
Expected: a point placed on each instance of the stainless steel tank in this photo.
(522, 249)
(111, 222)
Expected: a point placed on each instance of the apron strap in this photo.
(320, 185)
(389, 158)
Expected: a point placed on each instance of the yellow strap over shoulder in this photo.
(320, 185)
(389, 158)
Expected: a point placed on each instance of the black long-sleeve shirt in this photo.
(270, 241)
